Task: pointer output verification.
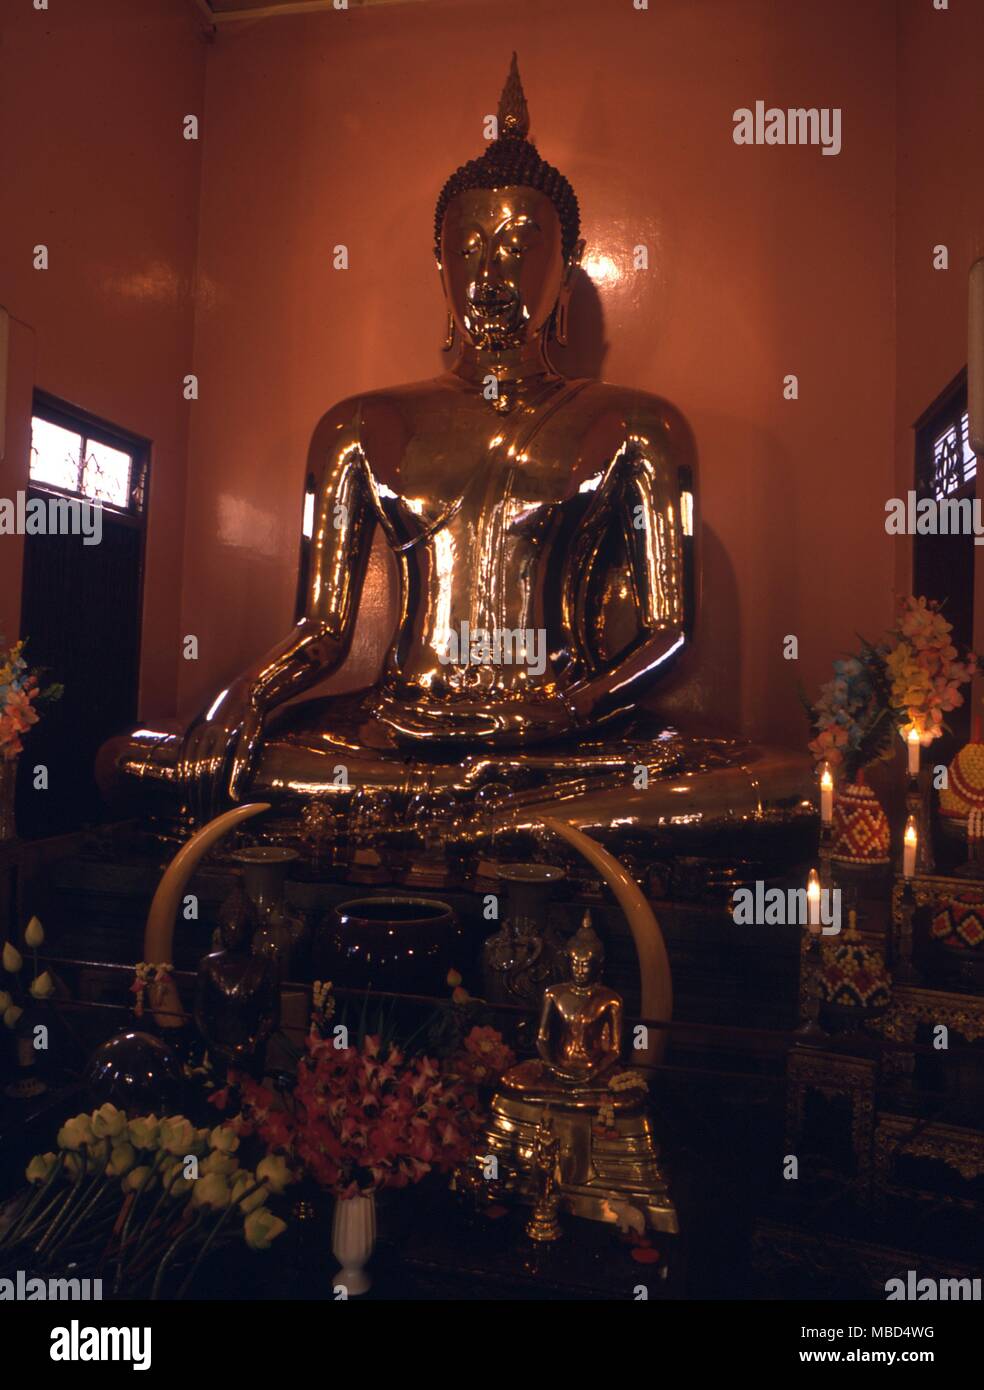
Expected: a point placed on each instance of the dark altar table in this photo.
(453, 1260)
(432, 1245)
(428, 1251)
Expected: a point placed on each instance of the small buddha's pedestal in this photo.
(607, 1156)
(429, 871)
(368, 867)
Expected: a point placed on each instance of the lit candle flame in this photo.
(911, 833)
(826, 779)
(813, 900)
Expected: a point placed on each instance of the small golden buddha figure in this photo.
(579, 1040)
(542, 530)
(597, 1109)
(543, 1225)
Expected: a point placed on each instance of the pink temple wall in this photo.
(940, 202)
(341, 127)
(95, 167)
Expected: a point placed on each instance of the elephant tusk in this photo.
(159, 931)
(654, 963)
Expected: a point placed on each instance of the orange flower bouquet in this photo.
(21, 693)
(924, 668)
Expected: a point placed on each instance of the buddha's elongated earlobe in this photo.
(560, 317)
(562, 311)
(448, 343)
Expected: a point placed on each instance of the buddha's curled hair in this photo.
(512, 160)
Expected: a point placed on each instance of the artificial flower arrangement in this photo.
(909, 681)
(473, 1050)
(138, 1200)
(128, 1200)
(146, 976)
(42, 986)
(363, 1113)
(21, 693)
(925, 669)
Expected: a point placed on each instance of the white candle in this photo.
(813, 902)
(826, 796)
(909, 845)
(913, 745)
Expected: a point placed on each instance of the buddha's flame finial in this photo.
(586, 941)
(513, 115)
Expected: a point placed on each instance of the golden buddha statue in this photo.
(543, 1225)
(543, 534)
(594, 1107)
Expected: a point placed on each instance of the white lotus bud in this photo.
(43, 985)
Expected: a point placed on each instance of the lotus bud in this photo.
(138, 1178)
(143, 1132)
(121, 1160)
(199, 1145)
(12, 958)
(34, 934)
(98, 1151)
(108, 1122)
(40, 1166)
(75, 1132)
(261, 1227)
(43, 985)
(219, 1162)
(244, 1181)
(211, 1191)
(224, 1138)
(274, 1170)
(177, 1135)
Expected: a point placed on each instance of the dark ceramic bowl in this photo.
(406, 945)
(137, 1073)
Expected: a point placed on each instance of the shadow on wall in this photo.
(695, 692)
(586, 350)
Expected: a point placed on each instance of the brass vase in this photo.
(522, 957)
(280, 932)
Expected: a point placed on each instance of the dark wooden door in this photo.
(81, 614)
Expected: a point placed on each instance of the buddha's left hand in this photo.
(219, 750)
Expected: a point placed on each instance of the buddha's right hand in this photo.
(218, 750)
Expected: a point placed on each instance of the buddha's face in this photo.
(502, 264)
(584, 967)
